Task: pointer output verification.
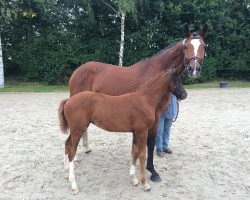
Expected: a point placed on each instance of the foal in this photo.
(134, 112)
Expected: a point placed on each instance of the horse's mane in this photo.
(158, 53)
(193, 35)
(161, 51)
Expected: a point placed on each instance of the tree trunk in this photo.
(122, 39)
(1, 66)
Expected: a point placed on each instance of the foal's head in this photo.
(179, 90)
(194, 51)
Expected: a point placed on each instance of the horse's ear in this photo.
(204, 31)
(186, 31)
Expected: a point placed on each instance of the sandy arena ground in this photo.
(210, 160)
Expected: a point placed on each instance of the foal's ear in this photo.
(204, 31)
(186, 31)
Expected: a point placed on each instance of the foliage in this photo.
(49, 39)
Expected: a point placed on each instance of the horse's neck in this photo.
(170, 58)
(156, 90)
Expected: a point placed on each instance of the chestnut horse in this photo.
(134, 112)
(109, 79)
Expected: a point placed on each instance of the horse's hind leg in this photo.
(66, 159)
(134, 154)
(72, 147)
(85, 142)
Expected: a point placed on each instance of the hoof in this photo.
(135, 182)
(75, 191)
(88, 151)
(146, 188)
(76, 159)
(155, 178)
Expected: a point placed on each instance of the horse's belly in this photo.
(113, 125)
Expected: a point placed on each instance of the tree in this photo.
(121, 8)
(8, 11)
(49, 39)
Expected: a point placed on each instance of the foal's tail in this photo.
(62, 120)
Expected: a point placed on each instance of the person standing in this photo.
(164, 127)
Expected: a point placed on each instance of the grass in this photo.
(17, 86)
(216, 84)
(32, 87)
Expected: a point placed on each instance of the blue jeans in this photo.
(163, 133)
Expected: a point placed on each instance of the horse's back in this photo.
(83, 76)
(103, 78)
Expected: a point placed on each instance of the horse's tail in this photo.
(62, 120)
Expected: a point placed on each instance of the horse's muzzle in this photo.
(194, 71)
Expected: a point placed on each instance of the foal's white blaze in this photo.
(133, 176)
(196, 43)
(72, 179)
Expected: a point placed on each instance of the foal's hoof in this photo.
(146, 187)
(75, 191)
(135, 182)
(155, 178)
(88, 151)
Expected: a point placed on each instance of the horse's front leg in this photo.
(141, 144)
(155, 177)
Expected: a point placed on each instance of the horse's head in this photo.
(179, 91)
(194, 51)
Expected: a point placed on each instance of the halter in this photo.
(186, 64)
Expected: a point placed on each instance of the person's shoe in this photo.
(168, 151)
(160, 154)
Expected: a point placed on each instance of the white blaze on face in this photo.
(196, 43)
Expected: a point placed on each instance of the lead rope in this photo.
(177, 111)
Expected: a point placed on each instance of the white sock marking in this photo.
(72, 176)
(133, 176)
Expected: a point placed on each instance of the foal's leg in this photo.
(134, 154)
(85, 142)
(66, 159)
(72, 147)
(141, 143)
